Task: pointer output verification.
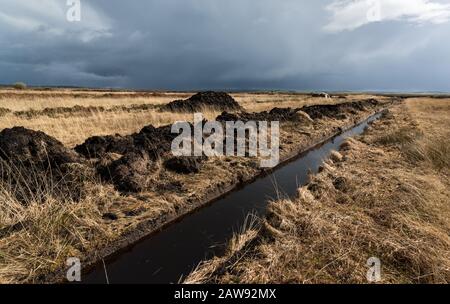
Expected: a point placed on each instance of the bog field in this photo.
(87, 173)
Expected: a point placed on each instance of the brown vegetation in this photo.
(71, 116)
(386, 196)
(42, 225)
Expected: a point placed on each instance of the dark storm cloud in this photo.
(200, 44)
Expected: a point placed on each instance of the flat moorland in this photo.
(71, 116)
(84, 173)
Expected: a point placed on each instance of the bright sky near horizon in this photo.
(400, 45)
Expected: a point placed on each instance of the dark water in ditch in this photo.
(166, 256)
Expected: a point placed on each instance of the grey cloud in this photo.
(245, 44)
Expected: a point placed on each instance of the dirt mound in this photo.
(32, 163)
(212, 100)
(129, 173)
(276, 114)
(96, 146)
(336, 110)
(156, 142)
(126, 160)
(320, 111)
(184, 165)
(287, 114)
(25, 146)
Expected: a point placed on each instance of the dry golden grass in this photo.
(37, 237)
(38, 232)
(38, 100)
(73, 129)
(378, 202)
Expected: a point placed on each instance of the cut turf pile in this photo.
(184, 165)
(27, 158)
(339, 111)
(127, 161)
(276, 114)
(306, 113)
(219, 101)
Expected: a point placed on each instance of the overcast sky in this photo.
(393, 45)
